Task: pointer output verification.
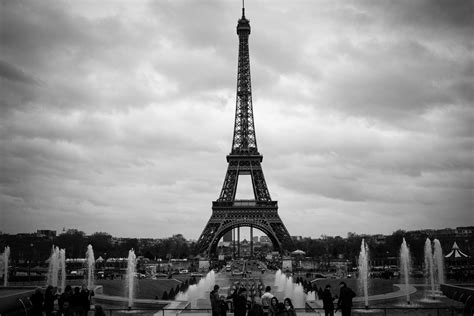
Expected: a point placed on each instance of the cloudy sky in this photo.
(117, 116)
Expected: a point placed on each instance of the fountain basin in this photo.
(120, 301)
(461, 293)
(13, 298)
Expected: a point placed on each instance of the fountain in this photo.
(5, 256)
(364, 271)
(289, 287)
(90, 267)
(131, 263)
(280, 280)
(57, 268)
(284, 287)
(62, 267)
(53, 267)
(299, 297)
(429, 266)
(199, 290)
(405, 265)
(438, 260)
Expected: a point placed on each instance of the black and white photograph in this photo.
(246, 157)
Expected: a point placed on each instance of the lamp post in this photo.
(29, 262)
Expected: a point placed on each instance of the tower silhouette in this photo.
(244, 159)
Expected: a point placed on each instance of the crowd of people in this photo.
(72, 302)
(251, 302)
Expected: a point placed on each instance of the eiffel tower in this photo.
(244, 159)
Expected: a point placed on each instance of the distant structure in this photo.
(244, 159)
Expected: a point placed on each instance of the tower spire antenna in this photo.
(243, 8)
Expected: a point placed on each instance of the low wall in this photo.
(14, 299)
(462, 293)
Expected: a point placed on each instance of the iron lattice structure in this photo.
(244, 159)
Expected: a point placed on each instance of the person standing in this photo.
(273, 309)
(215, 301)
(266, 299)
(288, 309)
(328, 301)
(240, 302)
(345, 299)
(86, 299)
(37, 300)
(49, 298)
(223, 305)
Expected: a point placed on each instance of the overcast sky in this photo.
(117, 116)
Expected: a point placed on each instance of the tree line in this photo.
(35, 249)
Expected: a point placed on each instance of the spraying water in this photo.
(280, 280)
(62, 268)
(53, 267)
(288, 290)
(285, 287)
(131, 263)
(57, 268)
(364, 271)
(197, 291)
(5, 256)
(90, 267)
(429, 266)
(299, 297)
(405, 266)
(438, 260)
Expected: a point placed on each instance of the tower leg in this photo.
(251, 242)
(233, 243)
(238, 242)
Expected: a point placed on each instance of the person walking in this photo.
(215, 301)
(328, 301)
(266, 298)
(344, 302)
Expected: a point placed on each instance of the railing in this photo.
(373, 311)
(382, 311)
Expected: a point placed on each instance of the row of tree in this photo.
(29, 248)
(349, 248)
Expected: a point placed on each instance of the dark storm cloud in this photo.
(124, 111)
(13, 73)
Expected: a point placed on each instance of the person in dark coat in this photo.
(223, 305)
(273, 309)
(320, 293)
(215, 301)
(255, 308)
(328, 301)
(37, 300)
(49, 298)
(65, 299)
(345, 299)
(240, 302)
(76, 302)
(98, 310)
(86, 299)
(287, 309)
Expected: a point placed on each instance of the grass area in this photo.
(145, 288)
